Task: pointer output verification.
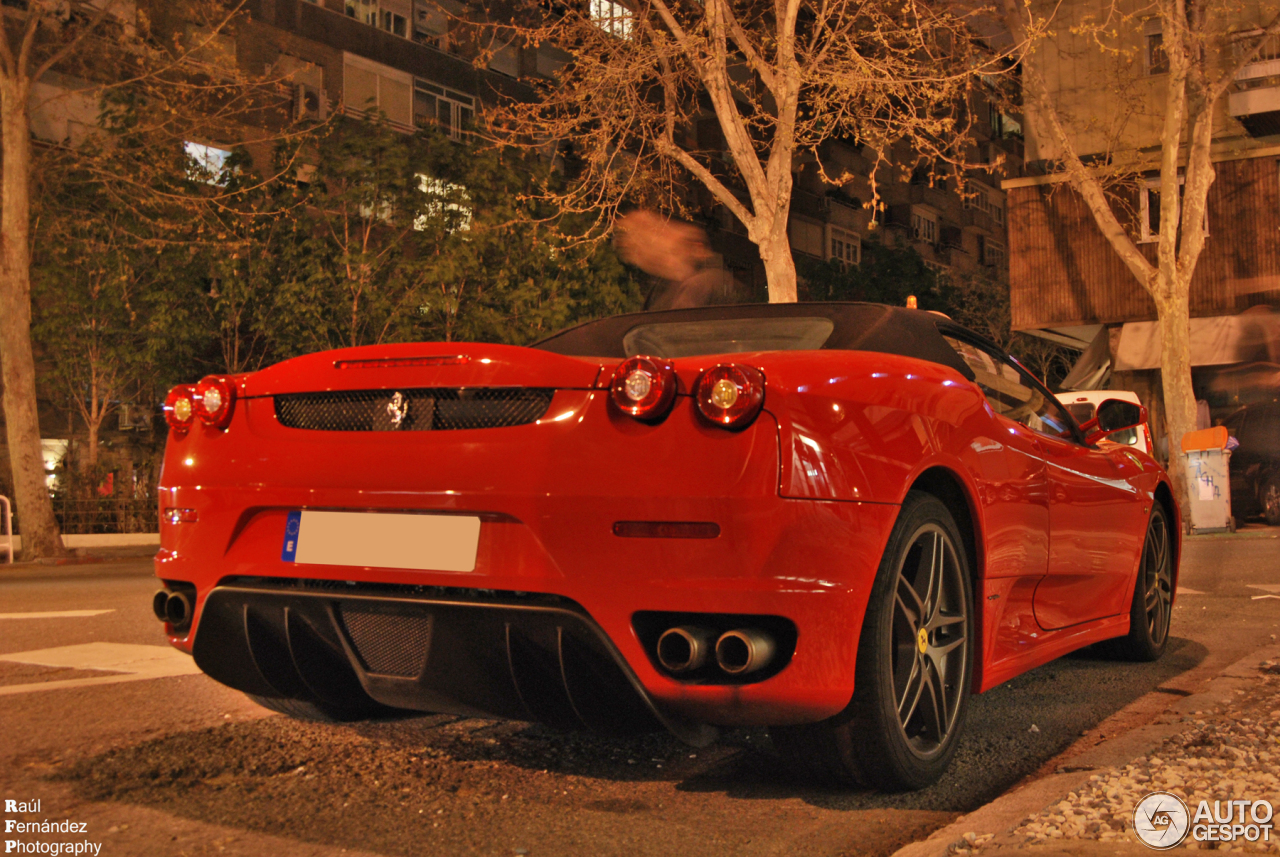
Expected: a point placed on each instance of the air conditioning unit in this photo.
(310, 102)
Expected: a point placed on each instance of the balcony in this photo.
(1256, 101)
(934, 197)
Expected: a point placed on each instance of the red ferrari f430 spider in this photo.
(837, 520)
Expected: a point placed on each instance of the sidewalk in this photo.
(1220, 744)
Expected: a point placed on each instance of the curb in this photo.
(1074, 765)
(1269, 533)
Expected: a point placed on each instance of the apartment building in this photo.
(1066, 281)
(953, 228)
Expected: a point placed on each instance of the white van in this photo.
(1084, 406)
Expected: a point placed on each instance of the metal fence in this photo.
(101, 500)
(77, 516)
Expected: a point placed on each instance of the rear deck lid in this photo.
(422, 365)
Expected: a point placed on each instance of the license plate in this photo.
(378, 540)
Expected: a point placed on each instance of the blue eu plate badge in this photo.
(291, 527)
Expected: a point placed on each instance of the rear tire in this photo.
(914, 669)
(1150, 610)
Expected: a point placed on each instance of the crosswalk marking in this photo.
(131, 662)
(56, 614)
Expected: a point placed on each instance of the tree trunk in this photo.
(779, 266)
(40, 535)
(1173, 310)
(91, 457)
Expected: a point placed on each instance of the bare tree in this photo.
(1203, 58)
(643, 84)
(31, 44)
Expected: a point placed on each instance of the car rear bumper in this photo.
(552, 585)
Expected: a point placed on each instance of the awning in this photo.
(1251, 336)
(1090, 371)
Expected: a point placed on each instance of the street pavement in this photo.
(107, 727)
(1216, 744)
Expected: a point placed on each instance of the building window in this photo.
(390, 15)
(206, 164)
(369, 87)
(993, 253)
(434, 104)
(395, 24)
(924, 225)
(986, 200)
(1149, 209)
(430, 25)
(808, 238)
(939, 269)
(613, 18)
(444, 199)
(1155, 60)
(843, 246)
(364, 11)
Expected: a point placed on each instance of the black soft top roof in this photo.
(858, 327)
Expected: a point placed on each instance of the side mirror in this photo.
(1113, 415)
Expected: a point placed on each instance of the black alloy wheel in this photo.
(930, 640)
(1270, 500)
(1151, 610)
(915, 665)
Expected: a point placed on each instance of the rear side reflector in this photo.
(401, 362)
(666, 529)
(180, 516)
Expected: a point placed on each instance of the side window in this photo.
(1082, 411)
(1010, 395)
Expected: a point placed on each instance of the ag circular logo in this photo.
(1161, 820)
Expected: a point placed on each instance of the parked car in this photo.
(1084, 407)
(1254, 470)
(837, 520)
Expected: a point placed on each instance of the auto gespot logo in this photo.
(1162, 820)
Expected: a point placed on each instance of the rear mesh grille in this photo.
(432, 409)
(389, 643)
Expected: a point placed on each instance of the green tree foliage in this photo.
(888, 274)
(393, 238)
(373, 236)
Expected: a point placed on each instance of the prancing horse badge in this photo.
(397, 409)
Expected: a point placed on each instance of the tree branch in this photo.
(62, 52)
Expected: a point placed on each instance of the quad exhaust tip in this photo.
(744, 650)
(684, 648)
(172, 607)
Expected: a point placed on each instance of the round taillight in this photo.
(215, 398)
(180, 408)
(644, 387)
(730, 395)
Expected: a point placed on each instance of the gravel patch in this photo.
(1228, 754)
